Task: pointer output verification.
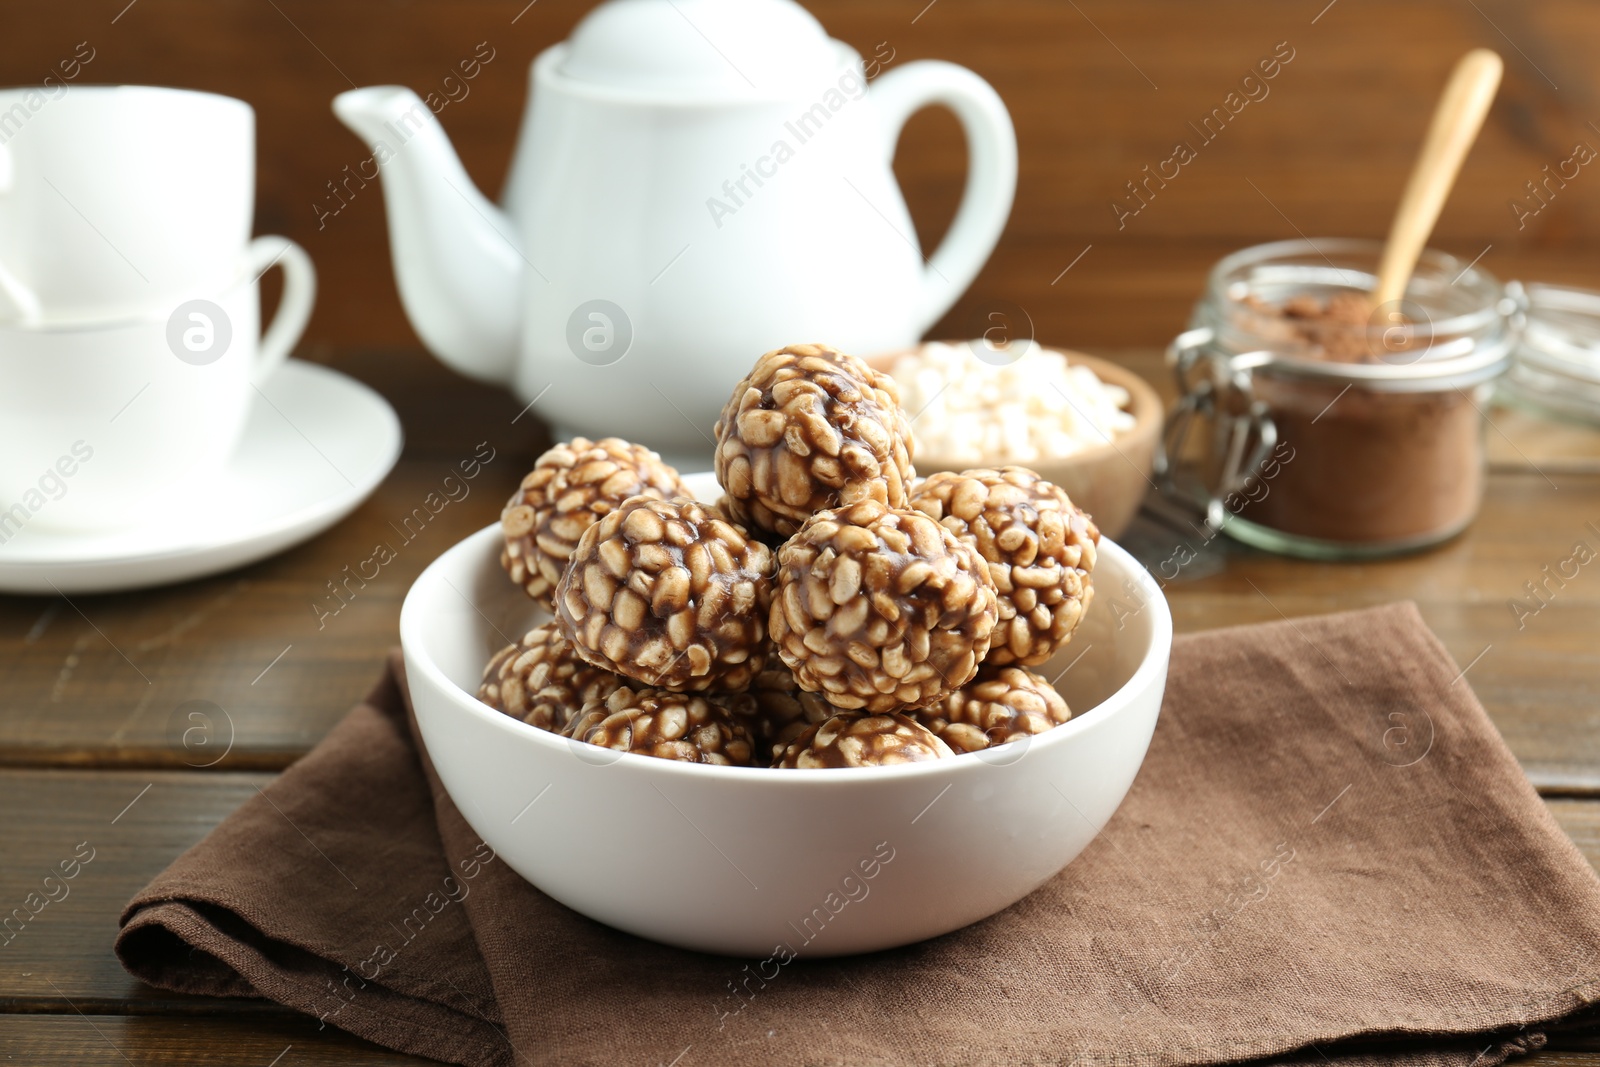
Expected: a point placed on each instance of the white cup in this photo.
(102, 426)
(117, 199)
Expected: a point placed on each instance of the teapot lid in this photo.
(719, 48)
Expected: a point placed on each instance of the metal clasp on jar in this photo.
(1213, 388)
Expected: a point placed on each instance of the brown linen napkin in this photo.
(1329, 855)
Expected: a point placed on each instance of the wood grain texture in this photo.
(122, 1040)
(115, 679)
(129, 825)
(61, 963)
(1098, 91)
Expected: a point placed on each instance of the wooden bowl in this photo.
(1109, 481)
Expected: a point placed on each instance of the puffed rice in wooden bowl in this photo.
(1108, 480)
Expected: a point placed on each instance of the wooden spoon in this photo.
(1456, 122)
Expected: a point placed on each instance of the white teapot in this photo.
(696, 182)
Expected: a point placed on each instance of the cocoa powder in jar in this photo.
(1370, 414)
(1368, 466)
(1383, 465)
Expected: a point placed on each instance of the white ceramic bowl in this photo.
(741, 860)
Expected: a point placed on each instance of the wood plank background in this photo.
(97, 742)
(61, 962)
(1098, 90)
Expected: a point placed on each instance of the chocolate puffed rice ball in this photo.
(542, 681)
(665, 593)
(881, 608)
(1039, 546)
(856, 739)
(664, 724)
(1003, 704)
(778, 710)
(811, 428)
(569, 489)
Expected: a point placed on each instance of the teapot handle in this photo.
(991, 170)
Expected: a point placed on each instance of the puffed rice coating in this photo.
(569, 489)
(668, 594)
(658, 722)
(856, 739)
(1040, 549)
(880, 608)
(1002, 704)
(542, 680)
(811, 428)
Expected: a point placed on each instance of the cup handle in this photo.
(991, 172)
(294, 308)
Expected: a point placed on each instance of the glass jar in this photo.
(1350, 435)
(1556, 369)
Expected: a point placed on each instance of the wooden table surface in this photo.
(98, 739)
(97, 742)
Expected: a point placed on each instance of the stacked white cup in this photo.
(131, 350)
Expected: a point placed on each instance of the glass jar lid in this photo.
(1556, 365)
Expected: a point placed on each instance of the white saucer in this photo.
(308, 459)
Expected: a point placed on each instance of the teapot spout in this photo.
(457, 257)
